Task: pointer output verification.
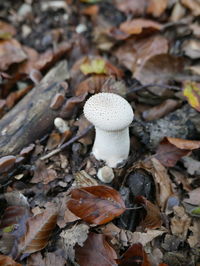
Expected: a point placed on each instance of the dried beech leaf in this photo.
(135, 255)
(152, 218)
(161, 69)
(170, 150)
(96, 251)
(96, 204)
(6, 163)
(38, 231)
(7, 261)
(139, 25)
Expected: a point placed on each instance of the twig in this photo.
(153, 85)
(65, 145)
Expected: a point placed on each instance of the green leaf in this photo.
(196, 211)
(192, 92)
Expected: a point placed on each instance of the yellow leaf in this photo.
(97, 66)
(192, 92)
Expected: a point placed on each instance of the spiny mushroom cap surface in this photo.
(108, 111)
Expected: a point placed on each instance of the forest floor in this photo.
(54, 210)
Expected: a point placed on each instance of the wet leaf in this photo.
(39, 229)
(152, 218)
(96, 204)
(170, 150)
(96, 251)
(191, 91)
(7, 261)
(135, 255)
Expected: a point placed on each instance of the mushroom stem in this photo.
(111, 146)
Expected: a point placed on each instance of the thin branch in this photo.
(65, 145)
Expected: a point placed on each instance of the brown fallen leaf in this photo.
(193, 5)
(170, 150)
(135, 255)
(161, 110)
(156, 8)
(43, 174)
(11, 52)
(192, 48)
(162, 181)
(96, 251)
(139, 25)
(136, 51)
(38, 231)
(161, 69)
(152, 219)
(7, 261)
(96, 204)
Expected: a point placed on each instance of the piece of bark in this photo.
(32, 117)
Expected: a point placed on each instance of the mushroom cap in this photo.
(108, 111)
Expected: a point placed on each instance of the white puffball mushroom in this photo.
(111, 115)
(61, 124)
(105, 174)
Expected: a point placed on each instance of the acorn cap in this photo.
(108, 111)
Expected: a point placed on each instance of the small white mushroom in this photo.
(105, 174)
(61, 124)
(111, 115)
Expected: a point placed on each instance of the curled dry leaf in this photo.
(170, 150)
(139, 26)
(152, 218)
(135, 255)
(96, 204)
(96, 251)
(7, 261)
(194, 197)
(193, 5)
(39, 229)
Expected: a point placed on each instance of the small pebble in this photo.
(81, 28)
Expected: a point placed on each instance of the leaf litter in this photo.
(54, 210)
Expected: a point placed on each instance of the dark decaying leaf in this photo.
(96, 204)
(39, 229)
(7, 261)
(170, 150)
(152, 218)
(96, 251)
(134, 256)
